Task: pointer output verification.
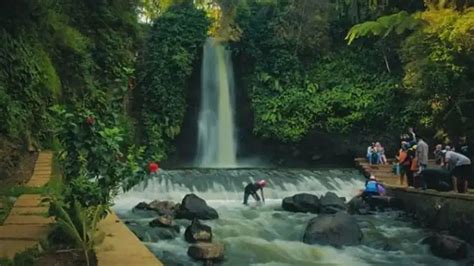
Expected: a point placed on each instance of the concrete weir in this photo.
(448, 212)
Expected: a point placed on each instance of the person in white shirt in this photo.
(461, 166)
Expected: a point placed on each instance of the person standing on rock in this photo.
(461, 166)
(252, 188)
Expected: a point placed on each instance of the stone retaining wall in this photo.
(440, 211)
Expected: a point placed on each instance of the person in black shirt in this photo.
(252, 188)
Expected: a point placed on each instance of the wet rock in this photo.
(358, 206)
(163, 221)
(193, 207)
(152, 234)
(141, 206)
(339, 229)
(384, 202)
(163, 207)
(206, 251)
(331, 203)
(303, 202)
(446, 246)
(198, 232)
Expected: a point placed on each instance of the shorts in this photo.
(462, 172)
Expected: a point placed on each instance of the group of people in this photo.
(412, 160)
(376, 154)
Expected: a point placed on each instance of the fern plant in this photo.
(399, 22)
(80, 224)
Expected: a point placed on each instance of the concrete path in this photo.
(121, 246)
(27, 223)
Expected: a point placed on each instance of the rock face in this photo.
(303, 202)
(162, 221)
(193, 207)
(339, 229)
(198, 232)
(448, 247)
(331, 203)
(206, 251)
(358, 206)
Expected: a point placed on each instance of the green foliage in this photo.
(174, 42)
(356, 92)
(96, 159)
(438, 69)
(27, 88)
(80, 224)
(383, 26)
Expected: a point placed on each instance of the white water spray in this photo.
(216, 134)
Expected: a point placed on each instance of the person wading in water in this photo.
(252, 188)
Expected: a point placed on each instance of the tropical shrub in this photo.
(94, 150)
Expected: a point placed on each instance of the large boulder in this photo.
(198, 232)
(163, 207)
(339, 229)
(303, 202)
(193, 207)
(331, 203)
(446, 246)
(358, 206)
(206, 251)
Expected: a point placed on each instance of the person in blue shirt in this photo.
(373, 188)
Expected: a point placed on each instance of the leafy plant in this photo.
(96, 159)
(80, 224)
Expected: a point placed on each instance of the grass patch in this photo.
(7, 206)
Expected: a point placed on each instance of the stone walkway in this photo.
(27, 223)
(121, 246)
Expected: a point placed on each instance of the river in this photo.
(267, 235)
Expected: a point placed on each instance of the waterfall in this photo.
(216, 135)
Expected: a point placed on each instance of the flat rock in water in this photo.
(198, 232)
(339, 229)
(448, 247)
(331, 203)
(152, 234)
(303, 202)
(206, 251)
(193, 207)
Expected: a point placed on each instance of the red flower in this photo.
(153, 167)
(90, 120)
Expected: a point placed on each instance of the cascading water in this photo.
(266, 235)
(216, 140)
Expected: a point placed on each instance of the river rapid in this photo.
(267, 235)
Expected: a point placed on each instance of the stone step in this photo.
(29, 200)
(37, 182)
(28, 219)
(29, 210)
(8, 248)
(23, 232)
